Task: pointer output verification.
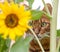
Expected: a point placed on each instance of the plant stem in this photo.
(53, 26)
(46, 7)
(37, 39)
(11, 43)
(58, 46)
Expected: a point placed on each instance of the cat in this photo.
(41, 27)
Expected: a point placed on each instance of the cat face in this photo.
(42, 25)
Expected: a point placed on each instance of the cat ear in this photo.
(49, 7)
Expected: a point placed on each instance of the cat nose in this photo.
(36, 30)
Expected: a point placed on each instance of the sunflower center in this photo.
(11, 20)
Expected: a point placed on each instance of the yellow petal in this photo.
(5, 34)
(11, 2)
(21, 9)
(4, 8)
(3, 29)
(6, 2)
(23, 16)
(14, 8)
(22, 28)
(2, 23)
(24, 21)
(2, 16)
(27, 14)
(12, 35)
(18, 32)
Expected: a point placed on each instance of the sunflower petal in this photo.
(18, 32)
(26, 13)
(5, 34)
(1, 23)
(2, 16)
(21, 8)
(4, 8)
(12, 35)
(23, 19)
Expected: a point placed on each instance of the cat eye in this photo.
(43, 24)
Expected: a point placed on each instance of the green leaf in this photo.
(30, 3)
(18, 1)
(3, 46)
(59, 49)
(58, 32)
(36, 14)
(21, 45)
(8, 41)
(47, 14)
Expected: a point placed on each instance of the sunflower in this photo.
(13, 20)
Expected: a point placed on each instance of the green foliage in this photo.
(58, 32)
(8, 41)
(17, 1)
(36, 14)
(59, 49)
(50, 17)
(30, 3)
(21, 45)
(3, 45)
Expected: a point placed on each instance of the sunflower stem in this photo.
(11, 43)
(53, 26)
(37, 39)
